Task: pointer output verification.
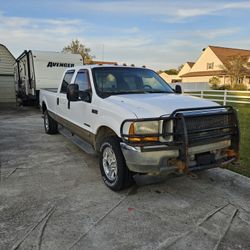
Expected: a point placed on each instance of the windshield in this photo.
(120, 80)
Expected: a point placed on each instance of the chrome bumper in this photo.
(161, 159)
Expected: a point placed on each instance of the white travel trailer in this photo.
(35, 70)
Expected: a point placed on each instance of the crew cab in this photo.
(139, 124)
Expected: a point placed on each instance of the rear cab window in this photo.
(82, 79)
(66, 81)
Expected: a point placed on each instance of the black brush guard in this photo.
(193, 127)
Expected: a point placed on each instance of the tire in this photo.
(117, 177)
(50, 125)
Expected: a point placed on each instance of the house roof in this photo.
(223, 53)
(204, 73)
(190, 64)
(209, 73)
(164, 74)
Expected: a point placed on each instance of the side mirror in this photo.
(85, 96)
(73, 93)
(178, 89)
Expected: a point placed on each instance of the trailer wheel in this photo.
(50, 125)
(114, 171)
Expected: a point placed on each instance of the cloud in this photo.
(237, 5)
(167, 11)
(43, 34)
(154, 44)
(22, 33)
(215, 33)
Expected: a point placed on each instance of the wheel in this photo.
(113, 167)
(50, 125)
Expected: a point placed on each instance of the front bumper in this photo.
(213, 147)
(162, 160)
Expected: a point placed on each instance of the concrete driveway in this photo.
(52, 197)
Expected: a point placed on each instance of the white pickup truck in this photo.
(139, 124)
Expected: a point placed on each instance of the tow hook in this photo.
(181, 166)
(183, 169)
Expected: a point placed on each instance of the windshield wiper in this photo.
(129, 92)
(107, 93)
(156, 91)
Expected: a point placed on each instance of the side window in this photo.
(82, 79)
(66, 81)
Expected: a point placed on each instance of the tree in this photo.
(75, 47)
(171, 71)
(236, 67)
(180, 67)
(214, 80)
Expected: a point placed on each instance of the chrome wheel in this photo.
(109, 163)
(46, 121)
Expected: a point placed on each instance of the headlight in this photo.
(148, 128)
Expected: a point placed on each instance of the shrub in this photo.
(214, 82)
(240, 87)
(230, 87)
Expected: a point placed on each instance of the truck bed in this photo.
(48, 95)
(50, 89)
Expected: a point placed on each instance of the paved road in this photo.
(52, 197)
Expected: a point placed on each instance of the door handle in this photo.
(94, 111)
(57, 100)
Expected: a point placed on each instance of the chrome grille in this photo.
(202, 127)
(206, 122)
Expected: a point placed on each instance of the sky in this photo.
(159, 34)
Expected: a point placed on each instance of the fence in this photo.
(224, 96)
(192, 85)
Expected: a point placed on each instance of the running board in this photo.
(86, 147)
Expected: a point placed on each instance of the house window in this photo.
(240, 80)
(210, 65)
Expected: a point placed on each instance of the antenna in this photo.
(102, 52)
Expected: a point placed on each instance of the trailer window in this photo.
(66, 80)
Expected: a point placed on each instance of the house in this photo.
(186, 68)
(170, 78)
(210, 64)
(7, 87)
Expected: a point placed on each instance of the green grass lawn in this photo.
(244, 119)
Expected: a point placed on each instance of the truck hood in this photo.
(155, 105)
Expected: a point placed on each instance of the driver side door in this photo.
(80, 112)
